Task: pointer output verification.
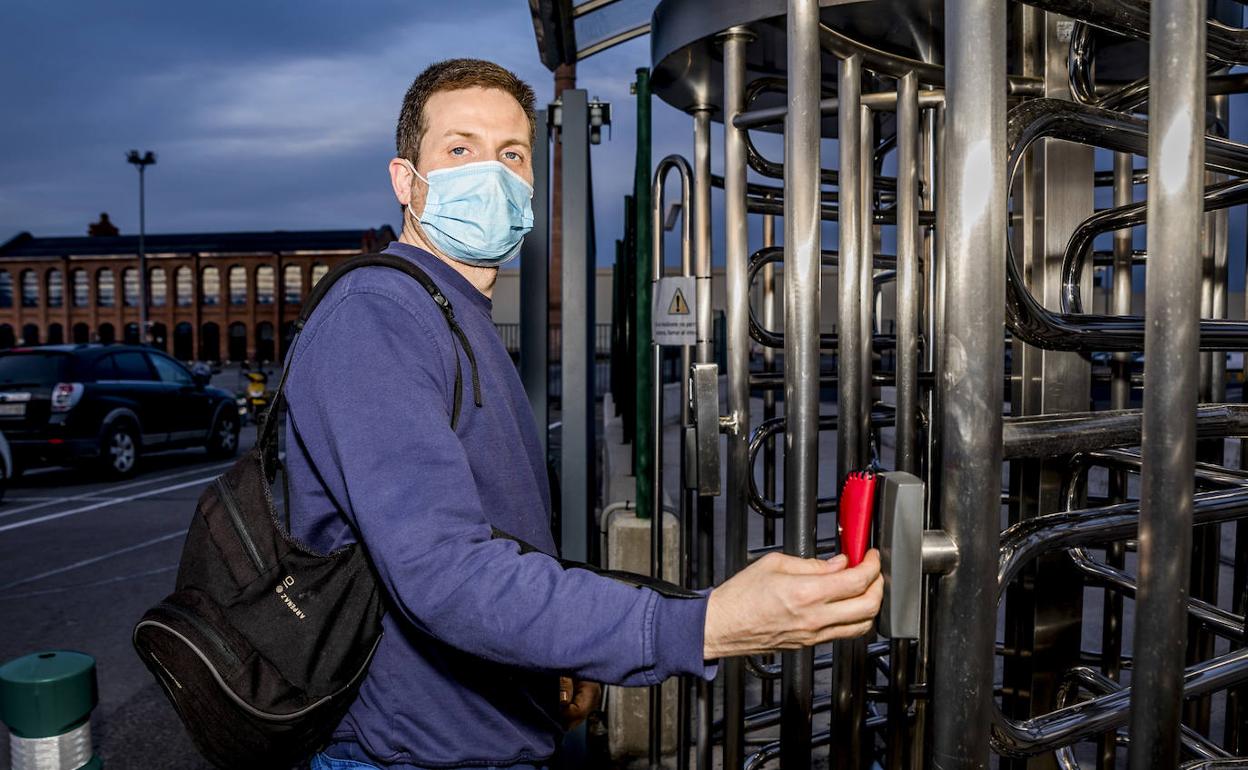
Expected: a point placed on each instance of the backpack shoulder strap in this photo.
(267, 441)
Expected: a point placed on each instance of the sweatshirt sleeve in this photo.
(369, 397)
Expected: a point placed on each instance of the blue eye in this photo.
(459, 150)
(512, 155)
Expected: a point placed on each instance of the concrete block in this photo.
(628, 708)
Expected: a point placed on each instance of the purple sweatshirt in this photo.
(475, 635)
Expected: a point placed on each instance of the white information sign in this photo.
(674, 317)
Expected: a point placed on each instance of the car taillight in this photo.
(66, 395)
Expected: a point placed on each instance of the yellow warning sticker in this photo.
(679, 306)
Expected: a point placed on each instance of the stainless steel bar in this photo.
(737, 332)
(769, 407)
(658, 268)
(971, 389)
(883, 101)
(1053, 435)
(801, 352)
(1131, 17)
(1119, 398)
(853, 266)
(1175, 167)
(907, 416)
(908, 296)
(535, 289)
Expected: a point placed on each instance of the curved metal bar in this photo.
(1219, 196)
(1027, 539)
(1226, 624)
(1095, 681)
(1026, 317)
(771, 254)
(1226, 44)
(1080, 64)
(768, 428)
(898, 66)
(1107, 712)
(1214, 476)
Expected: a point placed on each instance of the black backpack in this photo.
(263, 644)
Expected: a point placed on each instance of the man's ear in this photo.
(401, 180)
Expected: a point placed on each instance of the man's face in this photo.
(468, 125)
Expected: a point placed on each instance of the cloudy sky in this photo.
(265, 115)
(272, 114)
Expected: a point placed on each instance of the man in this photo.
(477, 635)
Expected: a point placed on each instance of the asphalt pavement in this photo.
(81, 559)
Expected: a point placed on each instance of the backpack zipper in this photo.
(206, 630)
(236, 517)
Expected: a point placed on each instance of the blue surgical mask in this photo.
(477, 213)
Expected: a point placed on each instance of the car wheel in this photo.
(119, 452)
(223, 441)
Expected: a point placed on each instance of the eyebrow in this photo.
(472, 135)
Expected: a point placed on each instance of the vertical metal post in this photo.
(577, 354)
(970, 388)
(142, 257)
(1176, 151)
(737, 254)
(769, 412)
(801, 347)
(645, 373)
(535, 287)
(907, 272)
(907, 420)
(1119, 398)
(853, 266)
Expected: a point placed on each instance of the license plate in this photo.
(12, 410)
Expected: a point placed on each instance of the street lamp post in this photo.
(141, 163)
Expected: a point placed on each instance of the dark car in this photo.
(107, 404)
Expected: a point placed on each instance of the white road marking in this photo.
(94, 493)
(106, 504)
(92, 584)
(93, 560)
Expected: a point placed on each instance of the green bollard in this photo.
(46, 701)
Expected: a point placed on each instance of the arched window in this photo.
(30, 289)
(318, 272)
(238, 285)
(210, 286)
(107, 334)
(6, 291)
(158, 287)
(131, 334)
(7, 338)
(184, 285)
(56, 334)
(30, 334)
(105, 291)
(130, 287)
(56, 289)
(183, 341)
(265, 277)
(160, 334)
(292, 283)
(82, 292)
(82, 334)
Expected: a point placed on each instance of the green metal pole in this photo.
(642, 447)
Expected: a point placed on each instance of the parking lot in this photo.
(80, 561)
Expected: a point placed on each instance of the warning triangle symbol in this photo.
(679, 306)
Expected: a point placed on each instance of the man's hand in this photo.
(783, 602)
(577, 698)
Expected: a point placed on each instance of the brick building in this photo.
(211, 296)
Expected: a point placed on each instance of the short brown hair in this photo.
(451, 75)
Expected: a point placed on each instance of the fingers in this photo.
(839, 585)
(856, 609)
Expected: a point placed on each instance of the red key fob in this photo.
(854, 517)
